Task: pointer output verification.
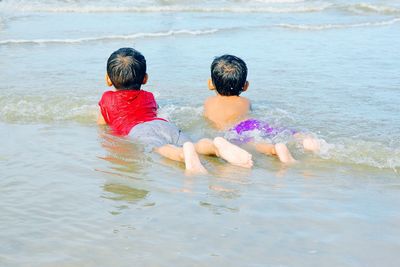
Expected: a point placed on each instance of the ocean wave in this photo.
(228, 6)
(16, 108)
(46, 109)
(370, 8)
(168, 8)
(338, 26)
(175, 112)
(361, 152)
(75, 109)
(277, 1)
(109, 37)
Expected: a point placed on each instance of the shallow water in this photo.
(73, 195)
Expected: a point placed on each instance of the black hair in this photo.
(126, 68)
(228, 74)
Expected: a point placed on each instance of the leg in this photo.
(222, 148)
(232, 153)
(311, 144)
(186, 154)
(265, 148)
(206, 146)
(279, 150)
(171, 152)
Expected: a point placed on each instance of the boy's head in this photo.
(228, 75)
(126, 69)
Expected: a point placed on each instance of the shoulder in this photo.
(148, 95)
(144, 92)
(107, 94)
(245, 100)
(245, 103)
(210, 100)
(106, 97)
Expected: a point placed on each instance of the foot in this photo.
(283, 153)
(233, 154)
(311, 144)
(192, 161)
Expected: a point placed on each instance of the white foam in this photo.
(236, 8)
(369, 8)
(109, 37)
(338, 26)
(278, 1)
(56, 109)
(183, 116)
(46, 109)
(361, 152)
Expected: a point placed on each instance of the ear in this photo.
(108, 80)
(246, 86)
(145, 79)
(211, 85)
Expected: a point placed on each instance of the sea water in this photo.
(72, 194)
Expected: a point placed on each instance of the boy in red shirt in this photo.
(131, 111)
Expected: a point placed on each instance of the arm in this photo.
(206, 107)
(102, 103)
(100, 119)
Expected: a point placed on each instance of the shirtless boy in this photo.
(227, 110)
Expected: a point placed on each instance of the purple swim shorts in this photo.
(264, 130)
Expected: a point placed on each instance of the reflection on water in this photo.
(218, 209)
(121, 192)
(125, 157)
(126, 160)
(125, 195)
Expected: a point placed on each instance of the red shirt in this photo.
(124, 109)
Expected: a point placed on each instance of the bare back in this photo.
(224, 111)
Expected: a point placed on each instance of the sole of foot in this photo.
(311, 144)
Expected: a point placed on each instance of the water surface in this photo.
(74, 195)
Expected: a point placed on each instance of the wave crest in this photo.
(109, 37)
(61, 109)
(338, 26)
(45, 109)
(360, 152)
(233, 8)
(228, 6)
(369, 8)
